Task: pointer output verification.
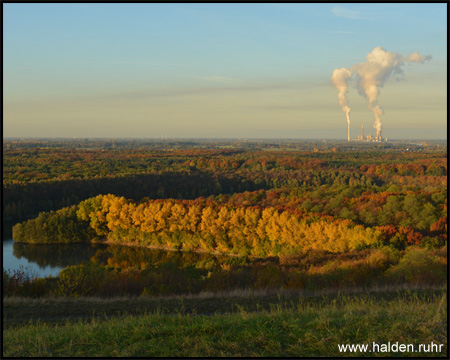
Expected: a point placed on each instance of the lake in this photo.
(43, 260)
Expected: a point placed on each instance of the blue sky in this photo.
(216, 70)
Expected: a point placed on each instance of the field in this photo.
(237, 325)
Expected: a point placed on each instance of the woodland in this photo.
(290, 215)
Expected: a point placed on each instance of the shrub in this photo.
(418, 266)
(15, 282)
(382, 259)
(38, 287)
(79, 280)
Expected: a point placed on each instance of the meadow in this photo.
(235, 325)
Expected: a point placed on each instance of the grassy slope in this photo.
(282, 326)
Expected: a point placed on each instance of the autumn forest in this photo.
(373, 212)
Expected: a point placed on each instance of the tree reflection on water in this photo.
(124, 257)
(55, 255)
(63, 255)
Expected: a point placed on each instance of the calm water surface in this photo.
(12, 262)
(43, 260)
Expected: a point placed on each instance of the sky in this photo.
(217, 70)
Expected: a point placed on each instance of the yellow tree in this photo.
(149, 223)
(177, 214)
(112, 206)
(191, 221)
(138, 215)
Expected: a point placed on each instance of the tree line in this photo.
(206, 224)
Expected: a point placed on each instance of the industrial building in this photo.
(378, 136)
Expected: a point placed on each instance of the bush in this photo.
(79, 280)
(38, 287)
(16, 281)
(419, 266)
(382, 259)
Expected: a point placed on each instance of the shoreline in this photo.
(162, 247)
(132, 244)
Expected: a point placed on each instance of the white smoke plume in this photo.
(339, 79)
(371, 76)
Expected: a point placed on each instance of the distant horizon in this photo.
(207, 138)
(390, 133)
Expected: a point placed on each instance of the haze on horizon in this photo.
(217, 70)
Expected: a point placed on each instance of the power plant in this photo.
(370, 76)
(377, 138)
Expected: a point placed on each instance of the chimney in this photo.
(348, 132)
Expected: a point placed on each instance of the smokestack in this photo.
(340, 78)
(362, 132)
(370, 77)
(372, 74)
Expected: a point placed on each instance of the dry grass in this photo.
(301, 329)
(235, 293)
(18, 310)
